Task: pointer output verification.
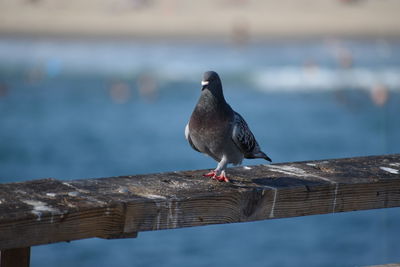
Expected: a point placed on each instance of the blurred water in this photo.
(95, 108)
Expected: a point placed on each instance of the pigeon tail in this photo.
(257, 155)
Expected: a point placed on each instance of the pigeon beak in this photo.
(204, 84)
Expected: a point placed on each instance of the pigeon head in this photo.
(210, 79)
(212, 83)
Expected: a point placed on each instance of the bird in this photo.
(218, 131)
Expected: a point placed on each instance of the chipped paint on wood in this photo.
(271, 214)
(335, 197)
(287, 169)
(391, 170)
(39, 207)
(296, 171)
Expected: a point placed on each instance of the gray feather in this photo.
(187, 135)
(243, 137)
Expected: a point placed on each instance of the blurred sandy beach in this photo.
(225, 19)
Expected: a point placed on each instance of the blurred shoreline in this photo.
(182, 39)
(238, 21)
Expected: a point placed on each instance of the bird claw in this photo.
(210, 174)
(220, 178)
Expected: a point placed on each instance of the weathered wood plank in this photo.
(49, 210)
(15, 257)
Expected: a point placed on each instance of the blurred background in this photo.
(104, 88)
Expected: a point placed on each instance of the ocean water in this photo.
(73, 109)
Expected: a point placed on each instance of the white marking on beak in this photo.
(203, 83)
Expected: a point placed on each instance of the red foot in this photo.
(210, 174)
(222, 178)
(213, 175)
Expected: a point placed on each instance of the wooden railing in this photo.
(49, 210)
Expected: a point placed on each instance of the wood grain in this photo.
(48, 210)
(16, 257)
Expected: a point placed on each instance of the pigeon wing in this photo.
(243, 137)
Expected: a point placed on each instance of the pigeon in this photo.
(218, 131)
